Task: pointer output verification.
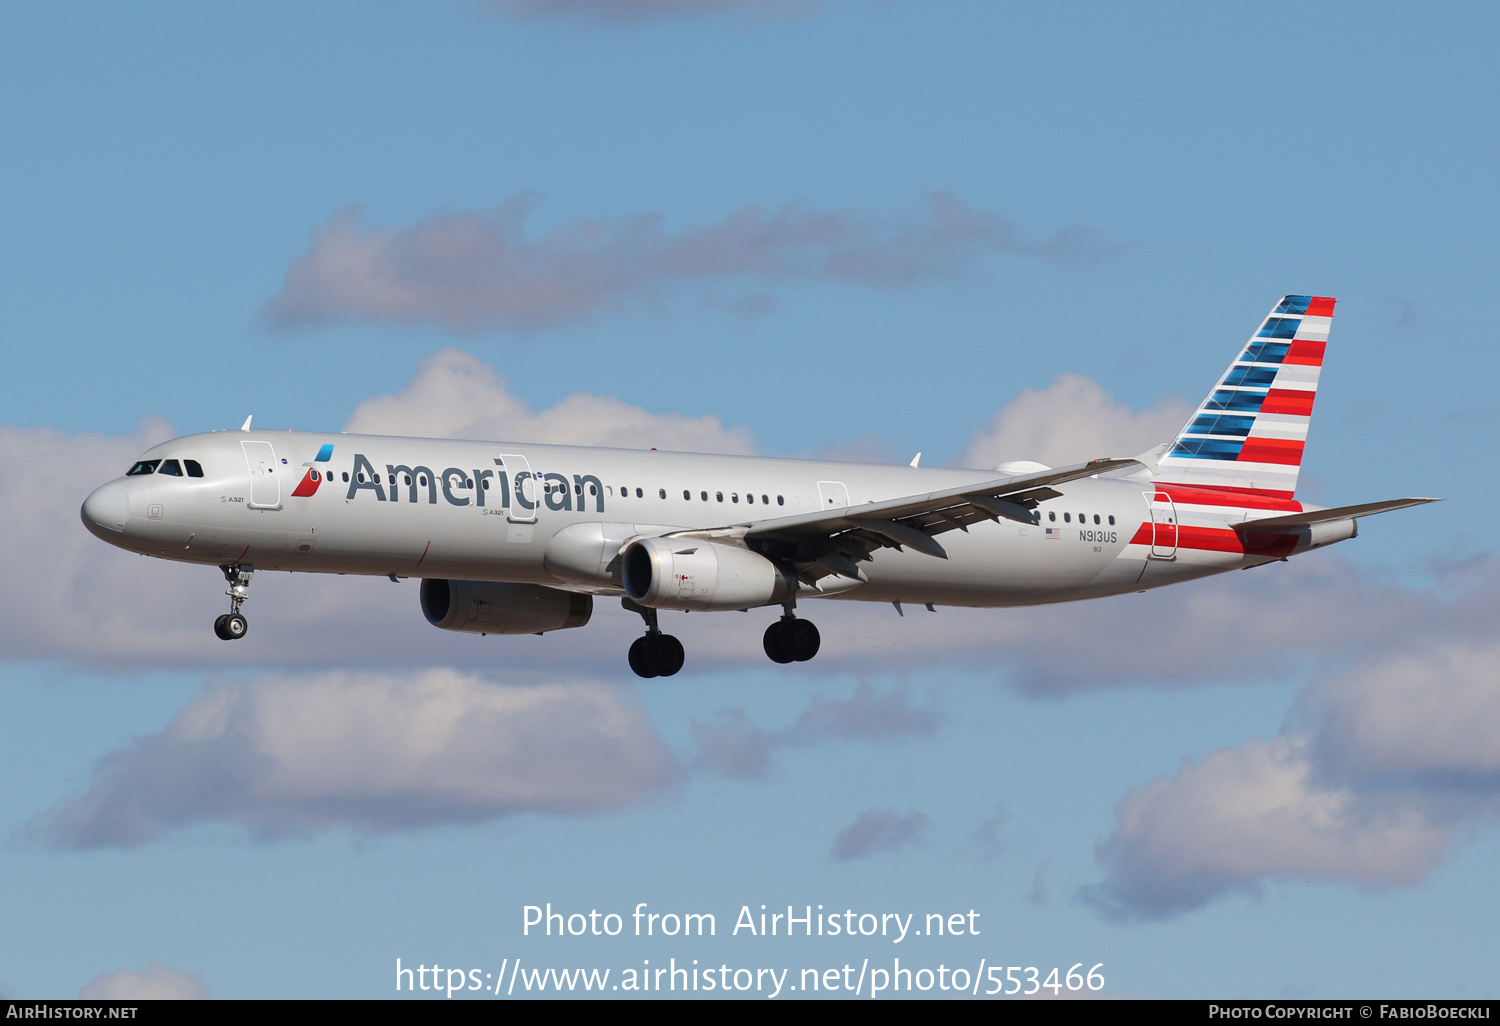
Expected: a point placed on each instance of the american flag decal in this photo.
(1054, 533)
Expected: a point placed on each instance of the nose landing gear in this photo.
(790, 639)
(232, 626)
(655, 654)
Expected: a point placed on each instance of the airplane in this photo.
(513, 538)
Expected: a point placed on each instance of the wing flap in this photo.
(945, 510)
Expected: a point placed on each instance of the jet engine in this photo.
(487, 607)
(694, 573)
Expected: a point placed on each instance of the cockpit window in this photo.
(170, 467)
(143, 467)
(194, 468)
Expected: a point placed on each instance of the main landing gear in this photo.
(655, 654)
(790, 640)
(232, 626)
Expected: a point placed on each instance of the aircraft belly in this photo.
(996, 564)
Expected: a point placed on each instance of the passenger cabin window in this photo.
(194, 468)
(170, 467)
(143, 467)
(1067, 518)
(639, 494)
(1052, 517)
(662, 492)
(780, 501)
(687, 494)
(1111, 521)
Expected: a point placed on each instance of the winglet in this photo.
(246, 426)
(1148, 458)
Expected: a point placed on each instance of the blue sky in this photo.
(815, 228)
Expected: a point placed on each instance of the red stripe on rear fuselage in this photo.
(1234, 498)
(1222, 539)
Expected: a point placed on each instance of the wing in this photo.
(834, 541)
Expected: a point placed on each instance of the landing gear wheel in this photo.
(775, 642)
(666, 654)
(801, 639)
(640, 660)
(232, 626)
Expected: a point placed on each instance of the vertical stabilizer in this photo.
(1250, 431)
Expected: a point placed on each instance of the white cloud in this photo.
(369, 752)
(876, 831)
(157, 983)
(482, 270)
(454, 395)
(1251, 813)
(1072, 420)
(1432, 713)
(1387, 762)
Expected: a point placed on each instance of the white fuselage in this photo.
(472, 510)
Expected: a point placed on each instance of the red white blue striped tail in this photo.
(1249, 433)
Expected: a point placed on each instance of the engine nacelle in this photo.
(489, 607)
(694, 573)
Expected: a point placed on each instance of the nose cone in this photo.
(105, 511)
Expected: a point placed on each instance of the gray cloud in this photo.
(622, 12)
(1429, 716)
(475, 271)
(1037, 894)
(1382, 766)
(157, 983)
(986, 841)
(1248, 814)
(879, 830)
(369, 753)
(731, 744)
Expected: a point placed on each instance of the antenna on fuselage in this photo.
(915, 460)
(246, 426)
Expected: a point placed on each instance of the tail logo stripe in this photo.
(1250, 432)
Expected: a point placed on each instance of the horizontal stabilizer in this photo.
(1294, 521)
